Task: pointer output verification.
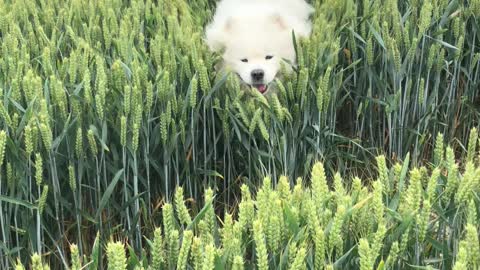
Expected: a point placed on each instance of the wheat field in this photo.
(112, 114)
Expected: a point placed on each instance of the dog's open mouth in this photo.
(262, 88)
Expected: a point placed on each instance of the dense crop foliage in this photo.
(107, 106)
(423, 217)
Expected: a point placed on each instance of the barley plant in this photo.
(113, 119)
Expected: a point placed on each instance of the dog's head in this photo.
(254, 46)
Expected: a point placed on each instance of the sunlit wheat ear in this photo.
(38, 169)
(433, 185)
(42, 201)
(76, 262)
(472, 144)
(365, 252)
(181, 208)
(404, 241)
(210, 218)
(193, 92)
(19, 265)
(37, 262)
(209, 258)
(299, 262)
(116, 256)
(71, 178)
(461, 261)
(413, 195)
(452, 170)
(3, 142)
(168, 218)
(422, 220)
(157, 251)
(173, 247)
(238, 263)
(185, 250)
(320, 190)
(377, 206)
(92, 142)
(262, 255)
(383, 173)
(471, 238)
(393, 255)
(79, 151)
(136, 134)
(246, 210)
(46, 134)
(11, 177)
(439, 152)
(335, 239)
(468, 182)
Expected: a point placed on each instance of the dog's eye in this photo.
(245, 60)
(268, 57)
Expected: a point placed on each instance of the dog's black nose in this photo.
(257, 74)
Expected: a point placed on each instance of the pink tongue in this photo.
(261, 88)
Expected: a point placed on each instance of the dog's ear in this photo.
(289, 23)
(217, 34)
(279, 21)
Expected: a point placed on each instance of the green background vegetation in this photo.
(108, 106)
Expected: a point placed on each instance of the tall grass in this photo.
(107, 106)
(407, 217)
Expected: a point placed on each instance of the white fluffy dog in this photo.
(256, 35)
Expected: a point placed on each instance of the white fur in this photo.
(254, 29)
